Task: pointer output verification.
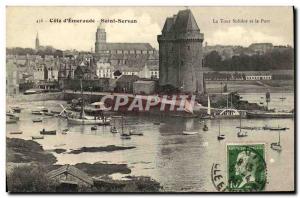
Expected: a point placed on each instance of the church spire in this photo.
(37, 41)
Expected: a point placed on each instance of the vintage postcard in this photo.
(150, 99)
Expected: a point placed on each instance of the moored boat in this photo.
(241, 133)
(48, 132)
(82, 119)
(113, 129)
(11, 119)
(35, 112)
(38, 137)
(138, 133)
(263, 114)
(190, 132)
(249, 128)
(16, 132)
(88, 121)
(278, 128)
(276, 145)
(37, 120)
(48, 114)
(124, 136)
(220, 136)
(16, 109)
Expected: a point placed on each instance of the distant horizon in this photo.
(135, 42)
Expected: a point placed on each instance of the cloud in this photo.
(144, 30)
(238, 35)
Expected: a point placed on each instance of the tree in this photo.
(213, 60)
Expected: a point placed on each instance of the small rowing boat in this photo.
(16, 132)
(275, 128)
(36, 113)
(37, 120)
(189, 132)
(38, 137)
(132, 132)
(48, 132)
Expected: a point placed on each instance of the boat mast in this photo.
(227, 101)
(81, 111)
(240, 122)
(219, 126)
(208, 106)
(122, 126)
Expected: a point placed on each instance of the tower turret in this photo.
(100, 38)
(180, 53)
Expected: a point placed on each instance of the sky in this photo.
(270, 24)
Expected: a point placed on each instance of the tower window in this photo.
(188, 47)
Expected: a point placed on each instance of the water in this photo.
(178, 162)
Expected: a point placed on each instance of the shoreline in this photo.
(26, 153)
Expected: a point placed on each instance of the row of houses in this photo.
(35, 71)
(249, 75)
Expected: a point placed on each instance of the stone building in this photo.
(12, 78)
(180, 53)
(128, 58)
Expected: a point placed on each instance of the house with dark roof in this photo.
(84, 72)
(69, 178)
(124, 83)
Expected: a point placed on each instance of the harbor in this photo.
(167, 105)
(163, 151)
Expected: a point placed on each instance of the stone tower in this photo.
(37, 41)
(100, 38)
(180, 53)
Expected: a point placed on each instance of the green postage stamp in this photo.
(246, 167)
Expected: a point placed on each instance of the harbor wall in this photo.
(34, 97)
(94, 97)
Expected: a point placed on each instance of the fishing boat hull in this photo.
(38, 120)
(36, 113)
(189, 132)
(242, 135)
(77, 121)
(11, 121)
(125, 137)
(136, 133)
(37, 137)
(276, 146)
(44, 132)
(48, 114)
(16, 109)
(249, 128)
(269, 115)
(15, 132)
(113, 130)
(221, 137)
(278, 129)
